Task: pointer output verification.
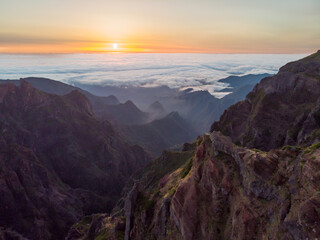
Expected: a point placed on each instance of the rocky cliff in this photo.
(224, 185)
(57, 162)
(283, 109)
(222, 191)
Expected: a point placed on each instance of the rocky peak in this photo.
(277, 109)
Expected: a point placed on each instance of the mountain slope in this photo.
(124, 113)
(60, 88)
(160, 134)
(219, 191)
(156, 110)
(281, 110)
(57, 161)
(199, 108)
(236, 82)
(216, 189)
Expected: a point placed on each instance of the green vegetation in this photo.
(315, 146)
(120, 235)
(145, 202)
(186, 169)
(258, 150)
(83, 226)
(247, 139)
(312, 148)
(103, 235)
(172, 191)
(291, 148)
(166, 164)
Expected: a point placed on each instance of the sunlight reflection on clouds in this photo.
(200, 71)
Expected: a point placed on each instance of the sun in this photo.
(115, 46)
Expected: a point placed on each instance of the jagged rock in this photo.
(163, 217)
(129, 206)
(262, 190)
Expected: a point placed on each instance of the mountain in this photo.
(105, 108)
(124, 114)
(156, 110)
(140, 95)
(60, 88)
(280, 110)
(58, 162)
(219, 188)
(199, 108)
(240, 87)
(160, 134)
(236, 82)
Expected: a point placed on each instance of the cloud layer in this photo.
(199, 71)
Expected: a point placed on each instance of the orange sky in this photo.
(208, 26)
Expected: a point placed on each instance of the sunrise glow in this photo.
(201, 27)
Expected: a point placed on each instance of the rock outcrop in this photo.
(274, 196)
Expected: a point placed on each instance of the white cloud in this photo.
(199, 71)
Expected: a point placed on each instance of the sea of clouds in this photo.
(199, 71)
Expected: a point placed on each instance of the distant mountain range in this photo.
(196, 109)
(255, 175)
(160, 134)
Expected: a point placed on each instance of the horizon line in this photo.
(155, 52)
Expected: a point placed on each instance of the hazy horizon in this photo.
(175, 70)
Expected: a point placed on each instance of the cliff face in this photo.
(280, 110)
(220, 187)
(223, 192)
(57, 162)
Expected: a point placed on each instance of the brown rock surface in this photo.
(280, 110)
(57, 162)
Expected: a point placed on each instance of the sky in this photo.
(191, 26)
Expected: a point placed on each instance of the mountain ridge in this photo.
(268, 109)
(219, 188)
(57, 162)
